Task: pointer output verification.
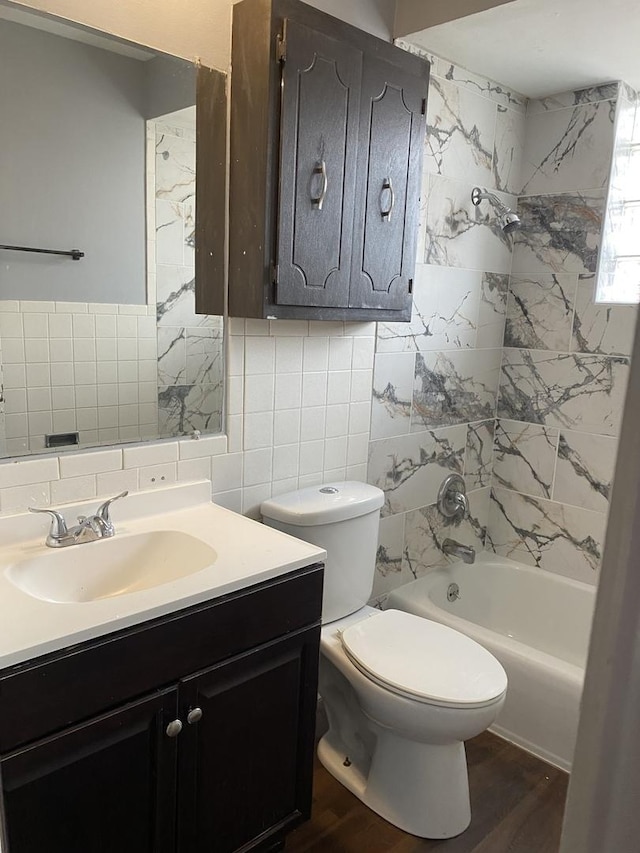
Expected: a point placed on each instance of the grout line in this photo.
(551, 500)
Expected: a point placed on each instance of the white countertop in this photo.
(247, 553)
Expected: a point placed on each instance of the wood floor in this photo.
(517, 803)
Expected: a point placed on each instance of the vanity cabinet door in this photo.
(392, 126)
(318, 147)
(245, 764)
(103, 786)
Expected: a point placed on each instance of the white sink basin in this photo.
(111, 567)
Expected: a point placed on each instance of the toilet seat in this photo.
(424, 660)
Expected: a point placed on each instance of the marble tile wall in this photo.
(522, 315)
(435, 380)
(566, 359)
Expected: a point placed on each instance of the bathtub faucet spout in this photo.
(454, 549)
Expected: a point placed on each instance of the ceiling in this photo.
(75, 32)
(541, 47)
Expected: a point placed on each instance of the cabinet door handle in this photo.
(320, 169)
(194, 716)
(174, 728)
(386, 211)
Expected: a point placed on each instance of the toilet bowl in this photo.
(401, 753)
(401, 693)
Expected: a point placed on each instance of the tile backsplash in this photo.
(82, 475)
(299, 408)
(299, 403)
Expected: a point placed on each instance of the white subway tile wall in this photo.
(277, 440)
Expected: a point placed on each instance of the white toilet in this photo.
(401, 693)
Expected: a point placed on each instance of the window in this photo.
(618, 279)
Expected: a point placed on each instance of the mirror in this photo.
(99, 334)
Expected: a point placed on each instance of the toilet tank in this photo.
(342, 518)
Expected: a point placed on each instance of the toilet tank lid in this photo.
(324, 504)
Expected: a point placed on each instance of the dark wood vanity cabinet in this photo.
(327, 133)
(217, 757)
(79, 789)
(239, 767)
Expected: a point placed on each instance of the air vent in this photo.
(62, 439)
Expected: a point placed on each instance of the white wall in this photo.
(53, 194)
(196, 29)
(190, 29)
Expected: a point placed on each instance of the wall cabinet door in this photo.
(319, 125)
(245, 765)
(326, 147)
(107, 785)
(392, 124)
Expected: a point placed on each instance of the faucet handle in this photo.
(462, 502)
(103, 510)
(452, 498)
(58, 524)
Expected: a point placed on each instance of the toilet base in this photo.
(421, 788)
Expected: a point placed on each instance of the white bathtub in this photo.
(537, 624)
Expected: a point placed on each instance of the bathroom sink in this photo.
(111, 567)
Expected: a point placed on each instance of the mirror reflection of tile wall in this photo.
(190, 345)
(78, 366)
(113, 372)
(108, 371)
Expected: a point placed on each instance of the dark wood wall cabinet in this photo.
(211, 189)
(193, 732)
(327, 133)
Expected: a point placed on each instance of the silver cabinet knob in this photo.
(194, 715)
(174, 728)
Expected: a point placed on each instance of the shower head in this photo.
(509, 221)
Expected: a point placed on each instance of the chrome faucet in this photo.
(454, 549)
(88, 529)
